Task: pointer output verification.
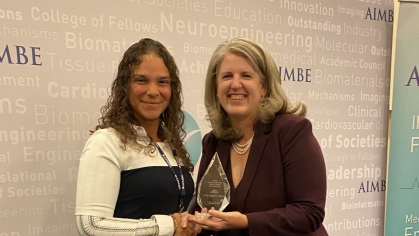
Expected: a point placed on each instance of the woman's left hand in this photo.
(222, 221)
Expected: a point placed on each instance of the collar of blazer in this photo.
(256, 152)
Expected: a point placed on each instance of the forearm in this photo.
(93, 225)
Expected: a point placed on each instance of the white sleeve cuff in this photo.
(165, 223)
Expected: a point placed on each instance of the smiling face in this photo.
(150, 90)
(239, 87)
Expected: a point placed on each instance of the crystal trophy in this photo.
(213, 189)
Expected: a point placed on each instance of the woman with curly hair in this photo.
(135, 174)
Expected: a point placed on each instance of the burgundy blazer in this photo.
(283, 189)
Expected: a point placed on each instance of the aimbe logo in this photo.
(21, 55)
(193, 139)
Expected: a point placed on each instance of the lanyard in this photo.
(180, 185)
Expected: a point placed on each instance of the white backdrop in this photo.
(58, 58)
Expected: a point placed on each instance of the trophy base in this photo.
(202, 216)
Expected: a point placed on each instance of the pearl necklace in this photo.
(242, 148)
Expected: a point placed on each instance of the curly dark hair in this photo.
(118, 113)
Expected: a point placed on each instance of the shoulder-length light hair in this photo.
(274, 100)
(118, 113)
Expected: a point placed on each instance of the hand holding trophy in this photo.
(213, 189)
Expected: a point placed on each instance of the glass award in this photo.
(213, 189)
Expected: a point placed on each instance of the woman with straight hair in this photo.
(272, 160)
